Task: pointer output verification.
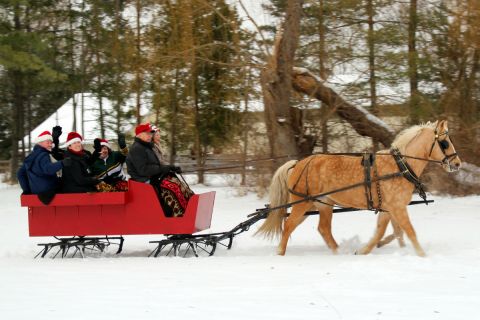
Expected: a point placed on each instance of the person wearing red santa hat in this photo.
(144, 166)
(39, 173)
(108, 164)
(77, 177)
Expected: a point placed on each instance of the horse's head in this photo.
(442, 148)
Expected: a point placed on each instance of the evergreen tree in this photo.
(28, 72)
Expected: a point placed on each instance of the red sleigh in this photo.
(84, 216)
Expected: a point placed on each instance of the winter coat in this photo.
(38, 174)
(77, 177)
(109, 169)
(142, 163)
(158, 152)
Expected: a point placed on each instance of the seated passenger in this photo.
(39, 173)
(144, 166)
(77, 177)
(156, 146)
(107, 164)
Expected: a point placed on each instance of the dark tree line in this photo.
(197, 70)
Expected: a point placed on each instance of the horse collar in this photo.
(408, 173)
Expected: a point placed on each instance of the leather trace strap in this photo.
(304, 195)
(368, 162)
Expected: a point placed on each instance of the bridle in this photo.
(444, 145)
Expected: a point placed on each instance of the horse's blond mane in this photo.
(407, 135)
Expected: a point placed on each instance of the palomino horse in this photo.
(320, 174)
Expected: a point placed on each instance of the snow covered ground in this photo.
(251, 281)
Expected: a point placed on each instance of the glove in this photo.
(176, 169)
(109, 179)
(67, 162)
(56, 132)
(171, 168)
(121, 141)
(96, 145)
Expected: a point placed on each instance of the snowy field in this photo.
(251, 281)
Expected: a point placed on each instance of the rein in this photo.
(355, 154)
(444, 145)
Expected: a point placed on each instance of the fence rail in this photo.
(231, 163)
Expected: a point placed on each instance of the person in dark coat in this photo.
(77, 177)
(108, 164)
(144, 166)
(142, 163)
(39, 173)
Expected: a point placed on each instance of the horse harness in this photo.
(409, 174)
(368, 160)
(368, 163)
(444, 145)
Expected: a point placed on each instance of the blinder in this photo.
(443, 144)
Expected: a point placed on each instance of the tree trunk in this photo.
(371, 64)
(99, 75)
(322, 57)
(361, 120)
(173, 122)
(138, 77)
(412, 63)
(276, 83)
(72, 64)
(18, 105)
(245, 125)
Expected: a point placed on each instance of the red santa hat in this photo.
(104, 142)
(72, 138)
(144, 127)
(44, 136)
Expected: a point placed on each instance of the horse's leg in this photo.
(382, 223)
(294, 219)
(397, 234)
(397, 231)
(325, 226)
(401, 217)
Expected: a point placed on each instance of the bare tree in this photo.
(276, 80)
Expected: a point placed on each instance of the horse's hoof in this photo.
(362, 252)
(421, 254)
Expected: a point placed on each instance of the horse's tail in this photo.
(273, 225)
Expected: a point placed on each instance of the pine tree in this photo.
(27, 70)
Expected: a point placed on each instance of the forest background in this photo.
(202, 74)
